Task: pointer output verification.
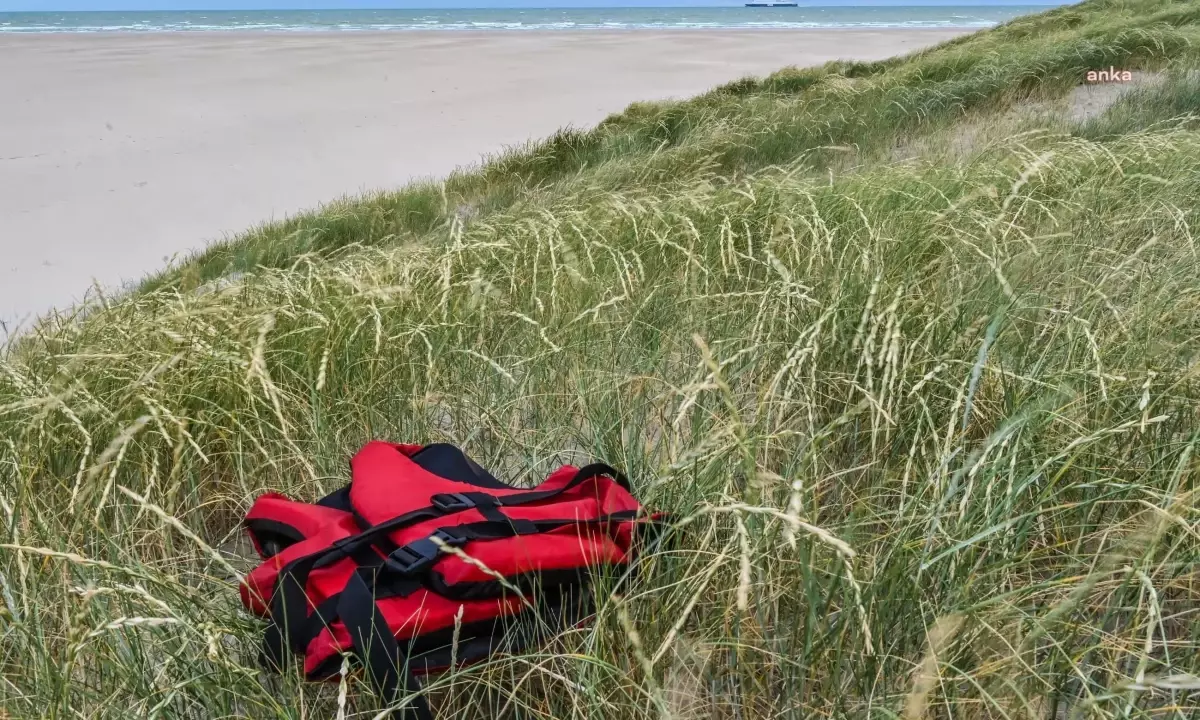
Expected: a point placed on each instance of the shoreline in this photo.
(513, 32)
(122, 150)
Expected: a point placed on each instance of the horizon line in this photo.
(733, 4)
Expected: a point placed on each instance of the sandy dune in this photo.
(117, 151)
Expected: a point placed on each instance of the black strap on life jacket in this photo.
(399, 574)
(386, 663)
(457, 502)
(289, 599)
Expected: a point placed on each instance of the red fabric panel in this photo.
(378, 467)
(591, 500)
(420, 613)
(257, 586)
(556, 550)
(386, 483)
(305, 518)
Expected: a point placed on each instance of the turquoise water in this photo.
(513, 19)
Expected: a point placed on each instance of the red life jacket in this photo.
(365, 571)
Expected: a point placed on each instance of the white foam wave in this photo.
(435, 24)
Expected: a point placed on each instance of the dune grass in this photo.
(929, 425)
(831, 117)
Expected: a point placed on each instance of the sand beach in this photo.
(120, 150)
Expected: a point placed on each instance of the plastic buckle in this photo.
(420, 554)
(451, 502)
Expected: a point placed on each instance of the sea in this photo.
(516, 20)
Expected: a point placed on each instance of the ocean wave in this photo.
(497, 26)
(517, 20)
(496, 20)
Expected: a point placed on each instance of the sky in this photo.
(70, 5)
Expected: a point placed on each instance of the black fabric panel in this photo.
(323, 616)
(431, 652)
(447, 461)
(584, 474)
(526, 583)
(274, 654)
(555, 612)
(272, 536)
(338, 500)
(597, 469)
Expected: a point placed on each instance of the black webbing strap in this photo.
(288, 611)
(418, 555)
(291, 628)
(457, 502)
(385, 662)
(274, 649)
(397, 575)
(387, 665)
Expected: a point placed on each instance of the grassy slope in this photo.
(976, 370)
